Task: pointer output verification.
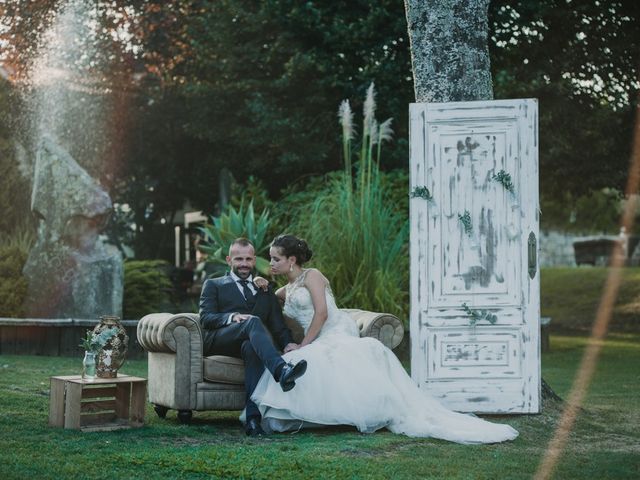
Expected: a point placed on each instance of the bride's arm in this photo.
(281, 293)
(316, 284)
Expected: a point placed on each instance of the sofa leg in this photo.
(184, 416)
(160, 410)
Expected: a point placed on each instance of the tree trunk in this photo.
(449, 49)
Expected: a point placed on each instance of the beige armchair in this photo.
(181, 379)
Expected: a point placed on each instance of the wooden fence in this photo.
(55, 337)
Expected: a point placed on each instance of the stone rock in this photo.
(72, 272)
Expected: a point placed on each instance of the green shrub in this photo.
(358, 234)
(13, 285)
(232, 224)
(147, 288)
(253, 191)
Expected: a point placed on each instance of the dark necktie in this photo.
(246, 291)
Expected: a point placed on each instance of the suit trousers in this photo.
(251, 341)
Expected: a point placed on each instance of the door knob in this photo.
(533, 255)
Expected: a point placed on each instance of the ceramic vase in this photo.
(112, 355)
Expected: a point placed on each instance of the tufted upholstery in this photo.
(180, 378)
(385, 327)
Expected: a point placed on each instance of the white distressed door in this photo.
(475, 284)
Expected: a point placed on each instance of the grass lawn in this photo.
(583, 286)
(605, 444)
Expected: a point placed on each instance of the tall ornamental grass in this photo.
(359, 241)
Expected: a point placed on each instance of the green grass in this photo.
(583, 286)
(605, 444)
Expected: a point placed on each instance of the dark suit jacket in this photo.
(221, 297)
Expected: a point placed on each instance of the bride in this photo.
(350, 380)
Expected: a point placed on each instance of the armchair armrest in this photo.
(174, 343)
(157, 331)
(382, 326)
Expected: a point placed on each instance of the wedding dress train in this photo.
(360, 382)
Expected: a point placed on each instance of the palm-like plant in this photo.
(243, 222)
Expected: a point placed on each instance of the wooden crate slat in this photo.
(98, 418)
(138, 402)
(72, 398)
(123, 398)
(56, 405)
(99, 392)
(98, 406)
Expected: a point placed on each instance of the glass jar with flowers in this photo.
(92, 344)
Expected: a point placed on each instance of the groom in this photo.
(235, 315)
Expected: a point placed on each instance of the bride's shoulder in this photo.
(281, 293)
(314, 275)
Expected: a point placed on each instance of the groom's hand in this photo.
(241, 317)
(261, 283)
(290, 347)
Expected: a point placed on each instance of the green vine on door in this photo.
(421, 192)
(504, 179)
(478, 315)
(465, 219)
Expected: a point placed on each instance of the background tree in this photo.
(580, 59)
(264, 78)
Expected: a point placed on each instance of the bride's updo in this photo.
(292, 246)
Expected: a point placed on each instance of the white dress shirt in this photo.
(237, 281)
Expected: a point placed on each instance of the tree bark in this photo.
(449, 49)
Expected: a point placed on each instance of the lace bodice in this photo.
(299, 307)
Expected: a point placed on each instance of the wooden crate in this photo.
(98, 404)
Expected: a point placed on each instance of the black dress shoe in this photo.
(253, 428)
(290, 373)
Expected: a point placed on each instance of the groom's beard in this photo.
(242, 273)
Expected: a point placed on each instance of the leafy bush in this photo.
(360, 237)
(395, 188)
(596, 213)
(253, 191)
(233, 224)
(13, 285)
(147, 288)
(14, 250)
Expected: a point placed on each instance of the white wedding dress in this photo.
(360, 382)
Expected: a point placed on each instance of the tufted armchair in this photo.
(180, 378)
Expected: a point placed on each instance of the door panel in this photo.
(470, 254)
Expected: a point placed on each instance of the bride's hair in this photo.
(290, 246)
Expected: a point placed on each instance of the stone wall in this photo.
(556, 249)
